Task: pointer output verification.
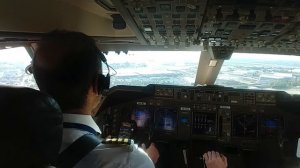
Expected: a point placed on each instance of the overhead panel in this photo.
(165, 23)
(258, 26)
(253, 25)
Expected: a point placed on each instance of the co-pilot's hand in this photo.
(152, 152)
(215, 160)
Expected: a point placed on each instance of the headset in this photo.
(103, 81)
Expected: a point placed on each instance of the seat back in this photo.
(31, 128)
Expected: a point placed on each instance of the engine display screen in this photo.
(165, 119)
(204, 124)
(142, 117)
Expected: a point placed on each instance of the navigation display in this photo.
(142, 117)
(271, 126)
(165, 119)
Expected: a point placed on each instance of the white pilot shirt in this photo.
(104, 155)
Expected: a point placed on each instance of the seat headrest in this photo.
(31, 127)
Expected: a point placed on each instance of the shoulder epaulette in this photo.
(120, 141)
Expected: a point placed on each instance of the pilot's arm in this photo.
(214, 160)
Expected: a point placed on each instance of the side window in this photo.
(13, 62)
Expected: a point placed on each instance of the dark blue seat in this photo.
(31, 128)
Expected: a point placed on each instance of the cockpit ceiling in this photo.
(255, 26)
(38, 16)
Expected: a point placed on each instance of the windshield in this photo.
(13, 62)
(261, 71)
(140, 68)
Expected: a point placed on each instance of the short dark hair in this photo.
(65, 65)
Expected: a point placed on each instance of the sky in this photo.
(17, 55)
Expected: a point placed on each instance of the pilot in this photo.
(66, 66)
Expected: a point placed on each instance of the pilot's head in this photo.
(66, 66)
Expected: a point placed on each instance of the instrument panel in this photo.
(252, 128)
(232, 117)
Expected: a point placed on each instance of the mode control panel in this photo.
(217, 96)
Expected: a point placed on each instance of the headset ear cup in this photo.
(100, 83)
(103, 82)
